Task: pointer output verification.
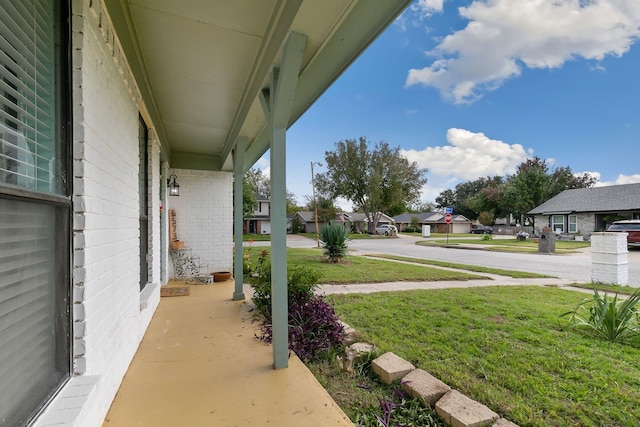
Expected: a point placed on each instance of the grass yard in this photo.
(358, 269)
(505, 347)
(477, 269)
(256, 237)
(350, 236)
(509, 245)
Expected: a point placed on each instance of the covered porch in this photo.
(200, 364)
(222, 82)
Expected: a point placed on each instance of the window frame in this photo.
(572, 221)
(553, 223)
(60, 201)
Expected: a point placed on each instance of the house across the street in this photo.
(585, 210)
(260, 220)
(434, 219)
(355, 221)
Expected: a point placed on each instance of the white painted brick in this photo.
(107, 320)
(609, 258)
(204, 212)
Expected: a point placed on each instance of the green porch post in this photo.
(238, 162)
(276, 102)
(279, 300)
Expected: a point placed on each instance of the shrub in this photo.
(334, 239)
(487, 237)
(401, 410)
(314, 328)
(302, 281)
(609, 318)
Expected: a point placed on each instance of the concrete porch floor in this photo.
(199, 364)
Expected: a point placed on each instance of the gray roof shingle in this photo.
(596, 199)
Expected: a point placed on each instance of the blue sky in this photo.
(474, 88)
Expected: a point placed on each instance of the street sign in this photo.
(448, 210)
(447, 218)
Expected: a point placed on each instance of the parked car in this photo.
(482, 229)
(629, 226)
(386, 229)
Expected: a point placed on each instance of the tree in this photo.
(292, 204)
(260, 184)
(533, 184)
(419, 207)
(326, 209)
(472, 197)
(373, 179)
(249, 203)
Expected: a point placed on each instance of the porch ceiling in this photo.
(200, 64)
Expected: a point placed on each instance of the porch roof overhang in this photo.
(201, 66)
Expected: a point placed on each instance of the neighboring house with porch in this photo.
(585, 210)
(435, 220)
(103, 103)
(260, 221)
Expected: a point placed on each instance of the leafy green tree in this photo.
(260, 184)
(471, 197)
(261, 187)
(415, 222)
(485, 218)
(534, 184)
(419, 207)
(373, 178)
(292, 204)
(326, 209)
(249, 203)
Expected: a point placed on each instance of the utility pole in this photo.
(315, 203)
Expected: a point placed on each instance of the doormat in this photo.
(175, 291)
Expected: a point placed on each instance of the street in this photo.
(573, 267)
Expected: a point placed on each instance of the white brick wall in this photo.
(609, 258)
(108, 321)
(204, 212)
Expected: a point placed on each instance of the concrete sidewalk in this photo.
(365, 288)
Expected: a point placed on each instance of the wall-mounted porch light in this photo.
(174, 188)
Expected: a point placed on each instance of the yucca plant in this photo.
(614, 319)
(334, 240)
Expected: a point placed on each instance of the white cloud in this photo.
(469, 156)
(503, 36)
(621, 179)
(426, 8)
(417, 12)
(264, 165)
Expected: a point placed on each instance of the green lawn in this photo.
(358, 269)
(477, 269)
(509, 245)
(505, 347)
(256, 237)
(350, 236)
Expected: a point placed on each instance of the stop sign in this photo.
(447, 218)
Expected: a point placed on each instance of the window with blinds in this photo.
(32, 364)
(27, 108)
(34, 206)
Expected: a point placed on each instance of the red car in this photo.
(629, 226)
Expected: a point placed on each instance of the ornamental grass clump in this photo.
(334, 241)
(613, 319)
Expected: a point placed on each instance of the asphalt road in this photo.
(575, 266)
